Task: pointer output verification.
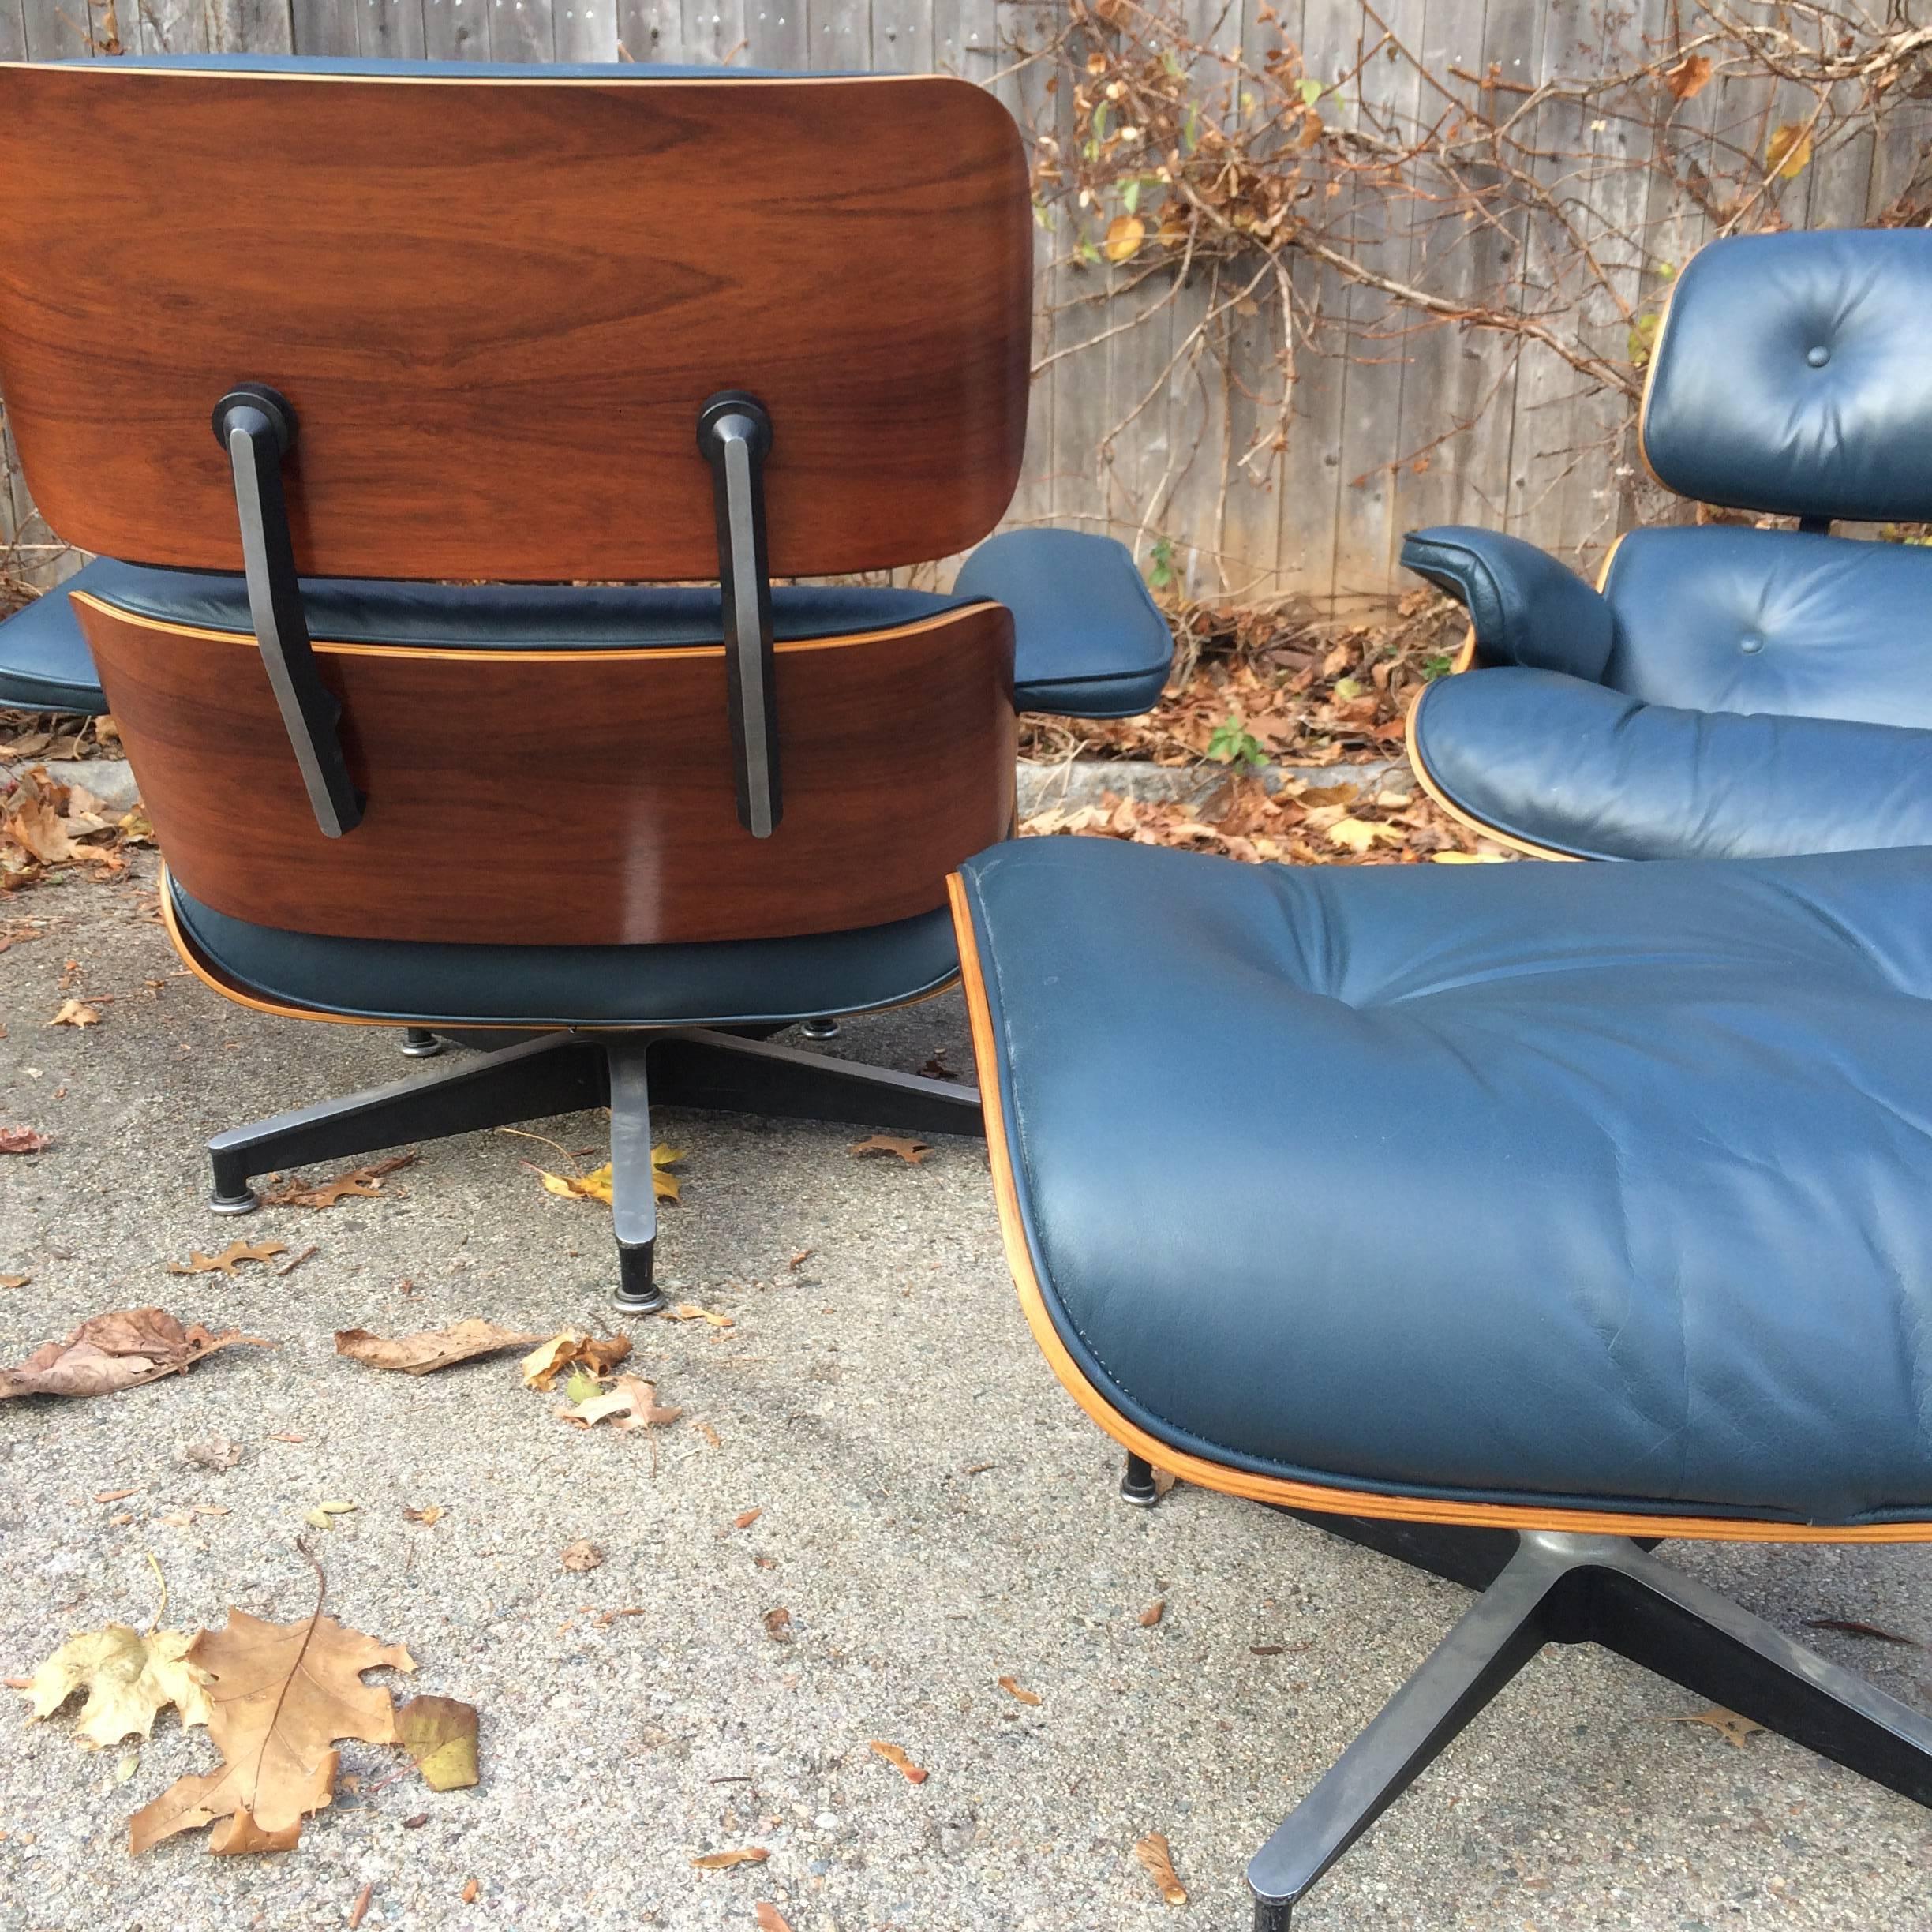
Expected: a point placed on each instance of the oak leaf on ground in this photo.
(296, 1192)
(430, 1348)
(1729, 1725)
(598, 1185)
(281, 1694)
(109, 1352)
(229, 1259)
(75, 1013)
(911, 1152)
(130, 1676)
(630, 1403)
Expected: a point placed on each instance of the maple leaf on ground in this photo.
(357, 1182)
(129, 1676)
(110, 1352)
(631, 1403)
(911, 1152)
(280, 1695)
(430, 1349)
(24, 1140)
(439, 1734)
(565, 1350)
(229, 1259)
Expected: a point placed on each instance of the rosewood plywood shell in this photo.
(497, 305)
(571, 798)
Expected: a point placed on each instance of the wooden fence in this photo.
(1124, 434)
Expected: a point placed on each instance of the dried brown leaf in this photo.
(770, 1919)
(778, 1625)
(281, 1694)
(129, 1676)
(24, 1140)
(568, 1349)
(1153, 1613)
(109, 1352)
(216, 1452)
(1726, 1723)
(75, 1013)
(724, 1861)
(430, 1349)
(897, 1758)
(1689, 77)
(1011, 1686)
(1855, 1627)
(911, 1152)
(1157, 1860)
(428, 1517)
(229, 1259)
(358, 1182)
(581, 1555)
(690, 1311)
(630, 1403)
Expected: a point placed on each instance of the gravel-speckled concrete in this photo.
(937, 1513)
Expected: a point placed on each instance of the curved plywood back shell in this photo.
(489, 821)
(497, 305)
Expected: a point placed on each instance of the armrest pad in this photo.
(1527, 608)
(1088, 640)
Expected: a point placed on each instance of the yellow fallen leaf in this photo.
(899, 1761)
(596, 1185)
(1788, 150)
(429, 1516)
(1153, 1852)
(317, 1520)
(690, 1311)
(724, 1861)
(439, 1734)
(129, 1676)
(1358, 835)
(1124, 234)
(130, 1764)
(335, 1509)
(567, 1348)
(1461, 857)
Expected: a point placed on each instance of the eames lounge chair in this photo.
(564, 330)
(1725, 691)
(1667, 1271)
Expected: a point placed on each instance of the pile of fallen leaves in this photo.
(1300, 824)
(45, 825)
(275, 1698)
(1272, 683)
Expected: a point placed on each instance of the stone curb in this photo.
(1067, 785)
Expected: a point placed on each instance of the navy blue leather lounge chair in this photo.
(1725, 691)
(1667, 1272)
(584, 334)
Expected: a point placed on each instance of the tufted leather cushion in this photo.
(1576, 769)
(1526, 607)
(1793, 375)
(1728, 619)
(44, 661)
(1603, 1186)
(1088, 640)
(723, 983)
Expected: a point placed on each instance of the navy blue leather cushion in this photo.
(509, 616)
(1727, 619)
(717, 983)
(44, 662)
(1792, 376)
(1580, 770)
(1088, 640)
(1526, 607)
(1670, 1245)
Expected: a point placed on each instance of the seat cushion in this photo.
(509, 616)
(1724, 619)
(1088, 640)
(44, 663)
(1591, 1186)
(719, 983)
(1572, 768)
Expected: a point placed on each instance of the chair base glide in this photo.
(1137, 1485)
(1550, 1586)
(695, 1067)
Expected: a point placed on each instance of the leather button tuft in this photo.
(1750, 646)
(1818, 357)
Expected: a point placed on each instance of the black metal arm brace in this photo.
(734, 433)
(256, 427)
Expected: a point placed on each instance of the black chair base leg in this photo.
(1563, 1589)
(420, 1044)
(637, 1293)
(1137, 1485)
(556, 1074)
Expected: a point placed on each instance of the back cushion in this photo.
(498, 304)
(1721, 619)
(1794, 374)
